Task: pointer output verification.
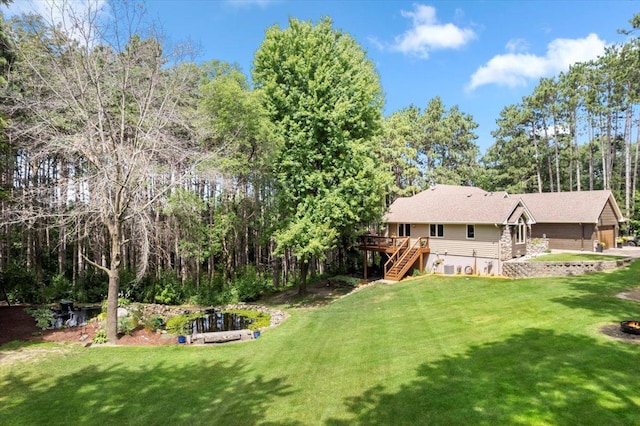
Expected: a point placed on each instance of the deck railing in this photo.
(404, 245)
(415, 250)
(375, 242)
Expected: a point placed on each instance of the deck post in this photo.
(365, 264)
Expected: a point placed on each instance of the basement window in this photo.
(436, 230)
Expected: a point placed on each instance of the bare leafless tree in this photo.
(95, 90)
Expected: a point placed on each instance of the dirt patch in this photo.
(615, 332)
(631, 295)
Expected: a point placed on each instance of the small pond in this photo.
(213, 321)
(68, 316)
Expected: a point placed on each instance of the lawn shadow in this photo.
(537, 377)
(160, 393)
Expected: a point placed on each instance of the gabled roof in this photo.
(457, 204)
(569, 207)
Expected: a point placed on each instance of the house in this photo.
(575, 220)
(458, 229)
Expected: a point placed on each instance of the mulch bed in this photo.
(16, 324)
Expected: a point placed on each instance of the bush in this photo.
(126, 325)
(45, 317)
(248, 285)
(153, 323)
(21, 285)
(100, 337)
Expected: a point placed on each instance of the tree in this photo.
(104, 99)
(232, 119)
(511, 163)
(324, 97)
(400, 152)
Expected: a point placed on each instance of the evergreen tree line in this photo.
(130, 169)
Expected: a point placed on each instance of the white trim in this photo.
(437, 225)
(467, 231)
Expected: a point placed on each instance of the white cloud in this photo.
(517, 45)
(427, 34)
(517, 69)
(77, 17)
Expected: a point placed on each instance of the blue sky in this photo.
(479, 55)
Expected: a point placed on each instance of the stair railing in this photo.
(402, 244)
(417, 245)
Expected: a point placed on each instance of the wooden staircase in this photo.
(404, 258)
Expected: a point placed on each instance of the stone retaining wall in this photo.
(520, 269)
(165, 311)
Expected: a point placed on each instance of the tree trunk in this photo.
(635, 171)
(627, 163)
(304, 269)
(114, 283)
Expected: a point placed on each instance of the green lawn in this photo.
(435, 350)
(573, 257)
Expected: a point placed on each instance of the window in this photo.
(404, 230)
(436, 230)
(521, 232)
(471, 232)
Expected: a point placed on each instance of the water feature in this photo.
(68, 316)
(214, 321)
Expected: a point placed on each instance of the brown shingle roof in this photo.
(453, 204)
(568, 207)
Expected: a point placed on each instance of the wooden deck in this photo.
(385, 244)
(403, 253)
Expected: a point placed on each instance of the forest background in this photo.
(128, 169)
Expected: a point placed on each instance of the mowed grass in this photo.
(435, 350)
(573, 257)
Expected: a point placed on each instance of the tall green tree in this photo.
(324, 97)
(510, 162)
(399, 152)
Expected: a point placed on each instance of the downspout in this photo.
(499, 259)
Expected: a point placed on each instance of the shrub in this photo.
(21, 285)
(45, 318)
(100, 337)
(249, 284)
(126, 325)
(167, 289)
(153, 323)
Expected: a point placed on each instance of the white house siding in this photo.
(456, 252)
(455, 242)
